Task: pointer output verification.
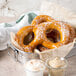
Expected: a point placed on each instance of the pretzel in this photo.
(72, 32)
(63, 30)
(40, 19)
(42, 48)
(21, 34)
(45, 18)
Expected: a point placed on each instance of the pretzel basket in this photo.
(23, 57)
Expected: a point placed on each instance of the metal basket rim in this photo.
(14, 48)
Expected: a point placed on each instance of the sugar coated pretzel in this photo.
(45, 18)
(40, 19)
(71, 30)
(63, 30)
(21, 34)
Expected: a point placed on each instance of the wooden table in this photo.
(9, 67)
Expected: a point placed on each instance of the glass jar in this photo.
(60, 71)
(34, 73)
(35, 67)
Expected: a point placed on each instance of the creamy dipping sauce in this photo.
(34, 68)
(57, 66)
(57, 62)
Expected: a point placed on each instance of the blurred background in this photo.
(14, 8)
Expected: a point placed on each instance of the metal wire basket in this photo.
(21, 56)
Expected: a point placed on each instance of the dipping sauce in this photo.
(34, 67)
(57, 66)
